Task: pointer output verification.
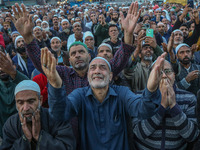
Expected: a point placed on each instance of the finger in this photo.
(49, 60)
(30, 19)
(121, 16)
(37, 116)
(135, 8)
(16, 14)
(12, 18)
(24, 10)
(131, 8)
(53, 65)
(19, 10)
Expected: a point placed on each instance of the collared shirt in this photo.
(102, 125)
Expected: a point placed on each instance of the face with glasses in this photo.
(168, 73)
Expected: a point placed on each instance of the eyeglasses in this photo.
(167, 71)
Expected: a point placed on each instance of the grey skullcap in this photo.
(27, 85)
(16, 39)
(105, 44)
(104, 60)
(15, 32)
(179, 46)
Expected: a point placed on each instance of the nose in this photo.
(26, 107)
(164, 74)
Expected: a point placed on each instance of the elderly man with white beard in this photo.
(102, 109)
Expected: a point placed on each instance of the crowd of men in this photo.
(100, 77)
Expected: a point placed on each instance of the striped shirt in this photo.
(169, 128)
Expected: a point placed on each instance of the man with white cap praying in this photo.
(32, 127)
(9, 78)
(188, 77)
(21, 59)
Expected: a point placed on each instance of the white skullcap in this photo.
(35, 16)
(64, 21)
(102, 59)
(37, 27)
(86, 34)
(76, 23)
(158, 9)
(177, 30)
(27, 85)
(111, 8)
(55, 38)
(45, 22)
(16, 39)
(181, 45)
(105, 44)
(38, 20)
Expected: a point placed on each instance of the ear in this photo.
(111, 76)
(41, 100)
(89, 55)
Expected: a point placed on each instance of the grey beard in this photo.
(146, 58)
(178, 42)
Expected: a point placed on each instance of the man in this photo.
(161, 29)
(32, 127)
(113, 41)
(101, 30)
(63, 57)
(179, 25)
(21, 60)
(188, 77)
(9, 78)
(55, 26)
(105, 50)
(45, 27)
(178, 38)
(137, 72)
(88, 39)
(42, 39)
(79, 56)
(6, 33)
(11, 47)
(76, 36)
(66, 31)
(114, 18)
(104, 106)
(174, 124)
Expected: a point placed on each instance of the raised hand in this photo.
(163, 89)
(23, 22)
(129, 23)
(25, 129)
(6, 65)
(48, 63)
(155, 75)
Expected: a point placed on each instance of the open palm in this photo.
(22, 21)
(129, 23)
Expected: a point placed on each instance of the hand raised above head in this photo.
(23, 22)
(48, 63)
(155, 75)
(129, 23)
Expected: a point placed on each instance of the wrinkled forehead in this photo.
(98, 62)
